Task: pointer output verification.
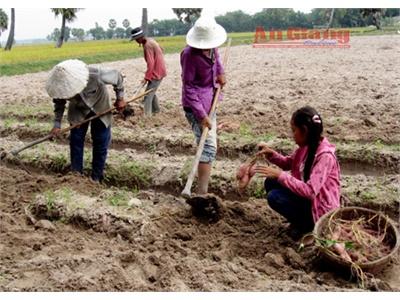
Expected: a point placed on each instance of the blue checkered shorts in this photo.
(210, 146)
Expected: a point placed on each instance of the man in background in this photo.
(156, 69)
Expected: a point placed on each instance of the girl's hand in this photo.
(264, 150)
(266, 171)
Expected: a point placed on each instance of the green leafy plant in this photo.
(120, 198)
(59, 161)
(50, 198)
(30, 122)
(326, 243)
(9, 122)
(152, 148)
(65, 193)
(129, 173)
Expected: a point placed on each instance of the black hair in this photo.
(309, 118)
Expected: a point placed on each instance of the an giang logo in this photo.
(302, 38)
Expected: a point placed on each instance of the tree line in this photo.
(97, 33)
(239, 21)
(277, 18)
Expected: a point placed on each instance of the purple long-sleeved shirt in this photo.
(199, 74)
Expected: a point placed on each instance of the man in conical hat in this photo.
(85, 89)
(202, 72)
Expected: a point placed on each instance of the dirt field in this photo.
(135, 233)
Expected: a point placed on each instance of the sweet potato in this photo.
(244, 174)
(242, 171)
(341, 250)
(244, 181)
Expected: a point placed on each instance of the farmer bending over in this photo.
(85, 89)
(202, 71)
(156, 69)
(313, 186)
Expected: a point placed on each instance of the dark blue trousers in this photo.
(101, 138)
(296, 209)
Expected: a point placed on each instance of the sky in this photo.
(36, 23)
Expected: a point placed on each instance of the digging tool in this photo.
(187, 190)
(49, 136)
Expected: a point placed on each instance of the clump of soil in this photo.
(207, 207)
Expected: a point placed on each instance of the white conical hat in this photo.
(206, 33)
(67, 79)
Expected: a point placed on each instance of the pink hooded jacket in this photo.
(323, 187)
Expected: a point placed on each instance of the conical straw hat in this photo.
(67, 79)
(206, 33)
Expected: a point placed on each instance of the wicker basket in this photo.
(352, 213)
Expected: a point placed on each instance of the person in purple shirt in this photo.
(202, 72)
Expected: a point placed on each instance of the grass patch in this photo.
(152, 148)
(24, 110)
(9, 122)
(29, 127)
(59, 162)
(129, 173)
(246, 135)
(31, 122)
(119, 198)
(258, 191)
(364, 191)
(50, 198)
(65, 193)
(368, 195)
(34, 58)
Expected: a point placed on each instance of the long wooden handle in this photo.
(49, 136)
(187, 190)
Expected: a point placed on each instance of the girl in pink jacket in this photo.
(312, 187)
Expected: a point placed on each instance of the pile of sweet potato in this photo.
(356, 241)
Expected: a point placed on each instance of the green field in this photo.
(33, 58)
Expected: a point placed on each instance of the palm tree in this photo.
(126, 23)
(145, 22)
(375, 13)
(187, 15)
(10, 40)
(68, 15)
(112, 23)
(331, 18)
(3, 21)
